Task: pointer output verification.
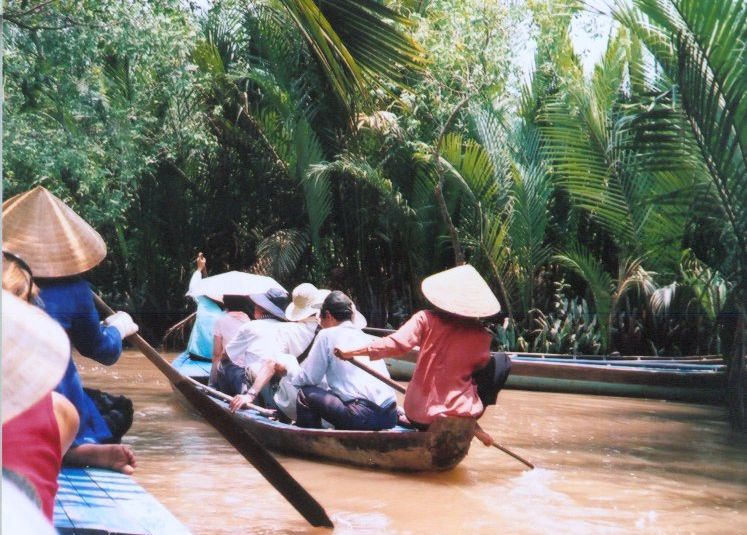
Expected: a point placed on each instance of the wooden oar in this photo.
(399, 388)
(243, 441)
(225, 397)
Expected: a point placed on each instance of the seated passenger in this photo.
(353, 399)
(255, 342)
(294, 342)
(38, 425)
(286, 394)
(200, 344)
(60, 247)
(238, 309)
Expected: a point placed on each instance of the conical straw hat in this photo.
(36, 351)
(49, 236)
(461, 291)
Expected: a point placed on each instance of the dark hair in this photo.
(14, 281)
(338, 305)
(239, 303)
(456, 319)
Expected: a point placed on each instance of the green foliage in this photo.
(296, 138)
(355, 41)
(701, 48)
(570, 328)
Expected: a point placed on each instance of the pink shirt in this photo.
(32, 449)
(228, 325)
(450, 351)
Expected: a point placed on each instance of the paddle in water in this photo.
(399, 388)
(243, 441)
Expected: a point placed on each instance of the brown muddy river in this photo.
(604, 466)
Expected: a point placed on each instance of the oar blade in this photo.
(258, 456)
(239, 438)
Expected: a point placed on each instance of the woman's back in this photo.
(451, 349)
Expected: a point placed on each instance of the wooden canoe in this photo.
(442, 447)
(694, 379)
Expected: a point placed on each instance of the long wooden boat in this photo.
(693, 379)
(442, 447)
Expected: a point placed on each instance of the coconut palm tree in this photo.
(701, 49)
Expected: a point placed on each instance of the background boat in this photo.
(693, 379)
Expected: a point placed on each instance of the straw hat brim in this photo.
(36, 351)
(262, 301)
(297, 313)
(461, 291)
(49, 236)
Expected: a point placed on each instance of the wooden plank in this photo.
(97, 501)
(92, 511)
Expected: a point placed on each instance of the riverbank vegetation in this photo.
(364, 145)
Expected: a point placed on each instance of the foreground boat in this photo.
(94, 500)
(693, 379)
(442, 447)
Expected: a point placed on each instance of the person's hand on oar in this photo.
(242, 400)
(483, 436)
(344, 355)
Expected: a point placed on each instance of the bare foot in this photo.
(117, 457)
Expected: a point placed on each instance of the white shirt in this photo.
(294, 337)
(254, 342)
(343, 378)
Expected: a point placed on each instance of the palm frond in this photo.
(356, 42)
(599, 281)
(279, 254)
(701, 47)
(316, 187)
(708, 285)
(529, 218)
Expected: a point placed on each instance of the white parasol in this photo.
(232, 283)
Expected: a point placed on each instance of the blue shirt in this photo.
(208, 311)
(69, 301)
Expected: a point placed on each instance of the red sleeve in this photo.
(406, 338)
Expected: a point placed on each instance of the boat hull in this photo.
(685, 380)
(442, 447)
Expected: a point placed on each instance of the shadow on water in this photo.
(604, 465)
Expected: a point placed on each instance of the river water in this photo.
(604, 466)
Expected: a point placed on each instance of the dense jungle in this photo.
(363, 145)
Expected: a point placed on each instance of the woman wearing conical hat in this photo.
(453, 345)
(59, 247)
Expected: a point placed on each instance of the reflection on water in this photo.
(605, 465)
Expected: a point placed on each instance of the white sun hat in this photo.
(461, 291)
(49, 236)
(233, 283)
(36, 351)
(305, 302)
